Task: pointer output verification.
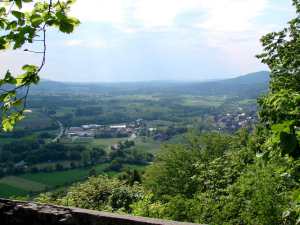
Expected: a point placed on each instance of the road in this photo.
(61, 131)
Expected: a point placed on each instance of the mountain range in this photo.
(250, 85)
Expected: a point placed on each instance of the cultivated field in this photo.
(33, 183)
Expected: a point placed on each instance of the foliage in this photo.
(148, 207)
(291, 216)
(238, 187)
(259, 196)
(173, 172)
(130, 176)
(20, 28)
(98, 193)
(30, 153)
(280, 107)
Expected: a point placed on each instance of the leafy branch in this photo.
(280, 107)
(18, 28)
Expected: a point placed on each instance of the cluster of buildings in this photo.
(235, 121)
(80, 132)
(106, 131)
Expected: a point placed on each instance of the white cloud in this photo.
(233, 24)
(218, 20)
(73, 43)
(225, 15)
(87, 43)
(231, 15)
(110, 11)
(158, 13)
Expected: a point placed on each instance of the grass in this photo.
(58, 178)
(98, 142)
(106, 141)
(141, 143)
(24, 184)
(210, 101)
(62, 178)
(7, 191)
(247, 102)
(64, 110)
(40, 182)
(147, 144)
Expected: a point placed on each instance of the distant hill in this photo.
(250, 85)
(252, 78)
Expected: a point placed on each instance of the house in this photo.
(151, 129)
(115, 147)
(79, 132)
(91, 126)
(118, 127)
(20, 164)
(75, 129)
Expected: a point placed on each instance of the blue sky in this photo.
(137, 40)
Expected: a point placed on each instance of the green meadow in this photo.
(34, 183)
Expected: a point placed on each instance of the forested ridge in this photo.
(249, 85)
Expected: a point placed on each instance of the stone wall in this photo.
(27, 213)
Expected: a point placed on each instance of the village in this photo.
(234, 121)
(125, 130)
(230, 122)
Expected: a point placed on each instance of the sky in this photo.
(146, 40)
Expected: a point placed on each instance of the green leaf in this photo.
(18, 3)
(30, 68)
(17, 103)
(3, 43)
(2, 11)
(36, 20)
(18, 15)
(66, 27)
(8, 122)
(9, 79)
(7, 125)
(288, 143)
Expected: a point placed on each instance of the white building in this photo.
(91, 126)
(117, 127)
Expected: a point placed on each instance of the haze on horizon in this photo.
(145, 40)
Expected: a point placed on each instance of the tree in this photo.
(130, 176)
(280, 108)
(19, 27)
(86, 157)
(176, 166)
(98, 193)
(92, 173)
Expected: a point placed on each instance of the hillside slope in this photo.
(250, 85)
